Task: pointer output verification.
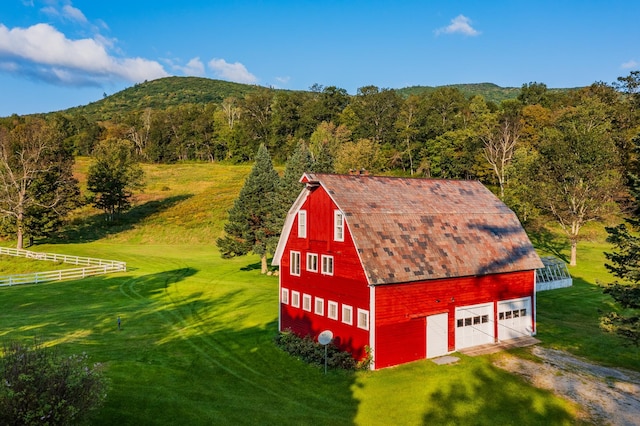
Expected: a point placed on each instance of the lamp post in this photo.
(324, 339)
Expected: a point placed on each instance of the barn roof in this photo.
(408, 229)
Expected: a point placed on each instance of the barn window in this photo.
(347, 314)
(295, 299)
(312, 262)
(302, 224)
(285, 296)
(327, 265)
(319, 306)
(306, 302)
(338, 226)
(363, 319)
(295, 263)
(333, 310)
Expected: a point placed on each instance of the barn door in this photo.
(437, 335)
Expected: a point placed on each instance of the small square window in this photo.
(333, 310)
(312, 262)
(516, 314)
(485, 319)
(507, 315)
(347, 312)
(327, 265)
(285, 296)
(319, 306)
(295, 299)
(501, 316)
(460, 323)
(523, 312)
(306, 302)
(476, 320)
(302, 224)
(363, 319)
(467, 322)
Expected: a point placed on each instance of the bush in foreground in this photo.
(38, 386)
(312, 352)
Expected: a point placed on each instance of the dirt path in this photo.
(608, 396)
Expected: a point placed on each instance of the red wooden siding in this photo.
(347, 285)
(401, 310)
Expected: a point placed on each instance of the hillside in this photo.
(162, 93)
(172, 91)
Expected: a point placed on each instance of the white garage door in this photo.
(474, 325)
(514, 318)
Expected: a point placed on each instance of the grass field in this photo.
(196, 345)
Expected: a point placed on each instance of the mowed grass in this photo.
(196, 345)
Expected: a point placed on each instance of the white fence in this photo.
(90, 267)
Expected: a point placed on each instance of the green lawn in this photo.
(196, 345)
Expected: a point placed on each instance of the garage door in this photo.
(514, 318)
(474, 325)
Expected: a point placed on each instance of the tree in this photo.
(113, 176)
(37, 187)
(577, 169)
(38, 386)
(251, 226)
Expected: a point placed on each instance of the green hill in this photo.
(491, 92)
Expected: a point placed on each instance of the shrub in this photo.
(311, 352)
(38, 386)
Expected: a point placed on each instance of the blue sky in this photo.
(55, 54)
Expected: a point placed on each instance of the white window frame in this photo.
(302, 224)
(338, 226)
(312, 262)
(294, 260)
(284, 297)
(319, 306)
(327, 265)
(363, 319)
(332, 307)
(295, 299)
(347, 314)
(306, 302)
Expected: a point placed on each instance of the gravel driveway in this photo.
(608, 396)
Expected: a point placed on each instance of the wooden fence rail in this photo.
(91, 267)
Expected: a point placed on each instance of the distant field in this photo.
(196, 346)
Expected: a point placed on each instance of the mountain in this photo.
(491, 92)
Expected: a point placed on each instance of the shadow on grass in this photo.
(486, 399)
(546, 241)
(97, 227)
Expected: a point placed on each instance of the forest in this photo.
(565, 154)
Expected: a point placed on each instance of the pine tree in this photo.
(251, 227)
(625, 264)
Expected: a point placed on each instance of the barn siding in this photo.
(401, 310)
(348, 285)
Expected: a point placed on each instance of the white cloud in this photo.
(283, 80)
(630, 64)
(459, 25)
(194, 67)
(234, 72)
(73, 13)
(43, 52)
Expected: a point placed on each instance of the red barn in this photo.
(411, 268)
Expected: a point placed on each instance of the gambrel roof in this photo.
(408, 229)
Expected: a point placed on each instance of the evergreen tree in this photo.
(625, 264)
(251, 226)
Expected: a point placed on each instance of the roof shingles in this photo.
(416, 229)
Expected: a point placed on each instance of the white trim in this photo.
(372, 325)
(338, 226)
(302, 224)
(288, 224)
(295, 299)
(347, 319)
(319, 302)
(306, 302)
(315, 256)
(325, 266)
(332, 304)
(294, 263)
(366, 314)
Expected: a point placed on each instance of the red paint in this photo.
(400, 309)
